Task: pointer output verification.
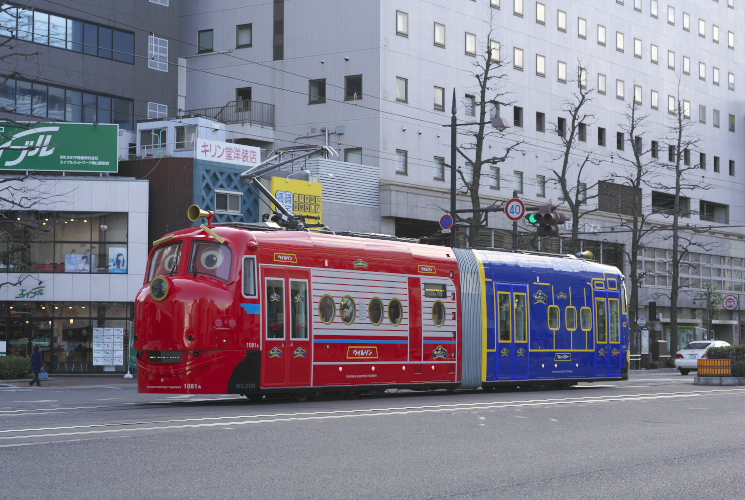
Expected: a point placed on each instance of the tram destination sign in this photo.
(59, 147)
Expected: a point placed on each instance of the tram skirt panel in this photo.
(471, 314)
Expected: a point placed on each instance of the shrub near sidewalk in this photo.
(733, 352)
(13, 367)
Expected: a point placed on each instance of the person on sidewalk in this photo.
(37, 365)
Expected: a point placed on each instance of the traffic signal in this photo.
(547, 220)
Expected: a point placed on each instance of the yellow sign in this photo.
(300, 197)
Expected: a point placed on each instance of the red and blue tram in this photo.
(232, 308)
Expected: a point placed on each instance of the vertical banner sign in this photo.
(59, 147)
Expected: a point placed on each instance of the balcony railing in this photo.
(243, 112)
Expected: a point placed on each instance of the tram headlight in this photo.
(159, 288)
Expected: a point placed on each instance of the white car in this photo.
(687, 358)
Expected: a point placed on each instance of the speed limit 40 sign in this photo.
(514, 209)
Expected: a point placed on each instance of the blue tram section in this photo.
(533, 318)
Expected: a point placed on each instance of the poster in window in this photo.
(117, 260)
(77, 263)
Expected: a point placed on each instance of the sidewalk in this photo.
(63, 380)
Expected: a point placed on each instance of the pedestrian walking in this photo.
(37, 365)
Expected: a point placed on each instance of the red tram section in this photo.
(227, 309)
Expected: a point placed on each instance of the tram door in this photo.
(286, 354)
(607, 332)
(511, 308)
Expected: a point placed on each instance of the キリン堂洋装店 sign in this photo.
(59, 147)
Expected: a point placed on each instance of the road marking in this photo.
(38, 401)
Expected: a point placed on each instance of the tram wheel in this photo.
(254, 397)
(353, 395)
(300, 398)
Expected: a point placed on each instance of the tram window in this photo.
(211, 259)
(299, 309)
(438, 313)
(601, 323)
(327, 309)
(521, 318)
(395, 312)
(505, 317)
(275, 308)
(165, 261)
(571, 318)
(435, 291)
(348, 310)
(586, 319)
(614, 325)
(553, 317)
(624, 301)
(375, 311)
(249, 276)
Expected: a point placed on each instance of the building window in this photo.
(185, 137)
(540, 122)
(702, 161)
(619, 41)
(540, 186)
(540, 13)
(317, 91)
(715, 118)
(494, 178)
(469, 104)
(582, 78)
(732, 168)
(671, 15)
(439, 168)
(439, 99)
(638, 145)
(702, 28)
(731, 4)
(439, 35)
(653, 10)
(561, 127)
(715, 76)
(402, 89)
(654, 53)
(494, 51)
(619, 141)
(671, 153)
(620, 93)
(468, 172)
(601, 35)
(205, 40)
(702, 113)
(160, 2)
(731, 123)
(353, 87)
(495, 4)
(582, 192)
(702, 71)
(715, 33)
(155, 110)
(687, 109)
(671, 105)
(638, 94)
(671, 59)
(517, 116)
(686, 21)
(562, 76)
(540, 65)
(228, 202)
(517, 8)
(686, 65)
(561, 21)
(402, 162)
(243, 36)
(638, 5)
(470, 44)
(157, 53)
(686, 156)
(353, 155)
(655, 149)
(518, 181)
(517, 59)
(582, 28)
(601, 83)
(731, 81)
(402, 23)
(582, 132)
(637, 48)
(730, 40)
(601, 136)
(716, 164)
(655, 99)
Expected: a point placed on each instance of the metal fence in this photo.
(243, 112)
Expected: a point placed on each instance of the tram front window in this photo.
(212, 259)
(165, 261)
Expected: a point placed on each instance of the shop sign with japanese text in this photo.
(59, 147)
(227, 152)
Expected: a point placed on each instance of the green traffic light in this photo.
(533, 218)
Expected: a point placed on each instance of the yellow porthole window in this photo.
(348, 310)
(438, 313)
(395, 312)
(327, 309)
(375, 311)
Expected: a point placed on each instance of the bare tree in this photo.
(712, 300)
(489, 95)
(571, 175)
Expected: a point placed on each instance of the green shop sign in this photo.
(59, 147)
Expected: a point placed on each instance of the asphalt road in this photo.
(654, 436)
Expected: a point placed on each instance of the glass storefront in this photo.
(91, 337)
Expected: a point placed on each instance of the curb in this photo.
(719, 380)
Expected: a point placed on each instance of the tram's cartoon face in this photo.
(212, 259)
